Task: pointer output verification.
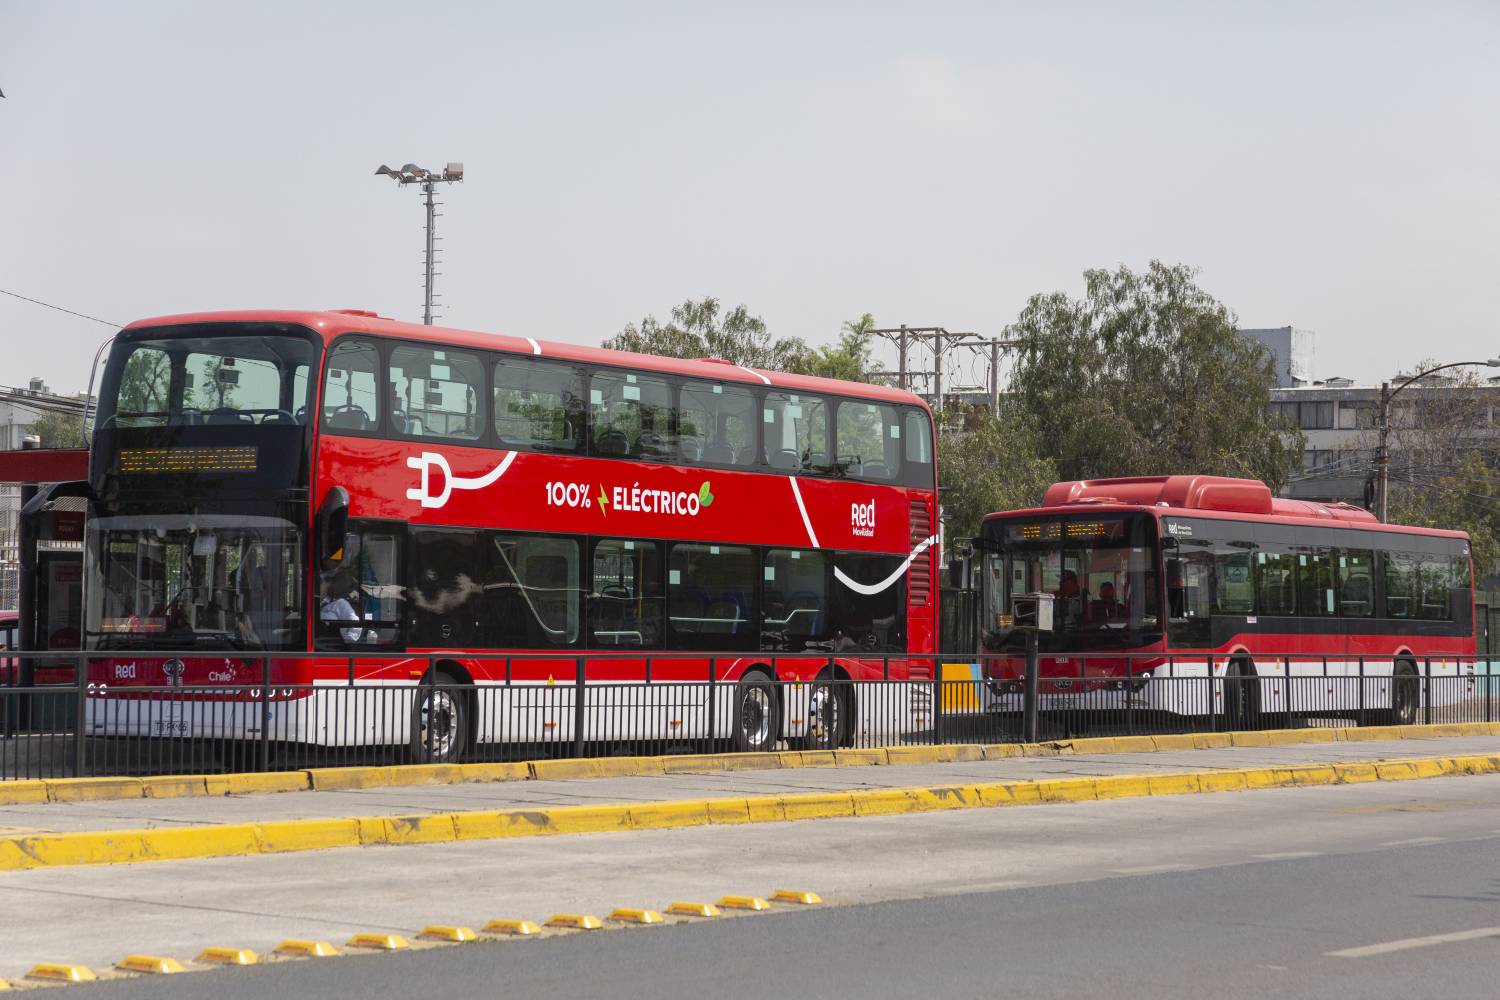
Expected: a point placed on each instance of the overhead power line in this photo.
(70, 312)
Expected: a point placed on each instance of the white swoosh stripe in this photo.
(875, 588)
(806, 521)
(535, 347)
(751, 371)
(480, 482)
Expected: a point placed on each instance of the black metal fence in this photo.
(679, 703)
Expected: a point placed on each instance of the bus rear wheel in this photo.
(1406, 694)
(1242, 696)
(440, 720)
(756, 715)
(828, 716)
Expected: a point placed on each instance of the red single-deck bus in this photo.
(385, 495)
(1301, 608)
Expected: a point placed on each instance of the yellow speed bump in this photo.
(306, 949)
(626, 915)
(519, 928)
(796, 896)
(228, 956)
(155, 965)
(378, 942)
(744, 903)
(443, 932)
(693, 910)
(575, 921)
(55, 972)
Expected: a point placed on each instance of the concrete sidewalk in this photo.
(440, 799)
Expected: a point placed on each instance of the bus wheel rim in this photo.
(755, 715)
(438, 707)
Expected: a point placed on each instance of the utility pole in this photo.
(429, 180)
(937, 340)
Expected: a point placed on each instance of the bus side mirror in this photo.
(333, 527)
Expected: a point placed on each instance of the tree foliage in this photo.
(1146, 375)
(1464, 499)
(60, 430)
(703, 330)
(998, 465)
(848, 359)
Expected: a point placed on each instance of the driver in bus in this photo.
(335, 604)
(1105, 607)
(1072, 602)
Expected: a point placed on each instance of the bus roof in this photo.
(1212, 496)
(332, 323)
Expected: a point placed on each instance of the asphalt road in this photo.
(1238, 931)
(1236, 895)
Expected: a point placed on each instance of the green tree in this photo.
(1146, 375)
(703, 330)
(60, 430)
(848, 359)
(998, 465)
(1467, 498)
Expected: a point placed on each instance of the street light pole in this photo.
(428, 179)
(1383, 455)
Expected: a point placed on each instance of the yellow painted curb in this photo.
(228, 840)
(23, 793)
(33, 792)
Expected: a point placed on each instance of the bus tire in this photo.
(1406, 694)
(448, 704)
(757, 715)
(1242, 696)
(829, 715)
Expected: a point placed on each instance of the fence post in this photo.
(578, 696)
(1213, 706)
(1029, 693)
(1361, 691)
(81, 679)
(265, 713)
(1286, 676)
(713, 700)
(1427, 690)
(937, 701)
(1489, 686)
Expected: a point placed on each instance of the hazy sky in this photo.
(1328, 166)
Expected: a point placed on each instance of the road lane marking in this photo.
(1416, 942)
(1411, 842)
(1289, 855)
(1150, 869)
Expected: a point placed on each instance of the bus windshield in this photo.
(215, 379)
(185, 581)
(1100, 569)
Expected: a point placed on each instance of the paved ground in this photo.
(151, 813)
(1151, 895)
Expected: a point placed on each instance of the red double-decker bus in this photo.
(407, 503)
(1278, 606)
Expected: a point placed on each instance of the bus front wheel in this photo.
(756, 715)
(440, 720)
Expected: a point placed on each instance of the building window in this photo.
(1315, 416)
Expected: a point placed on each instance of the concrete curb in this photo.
(37, 791)
(240, 839)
